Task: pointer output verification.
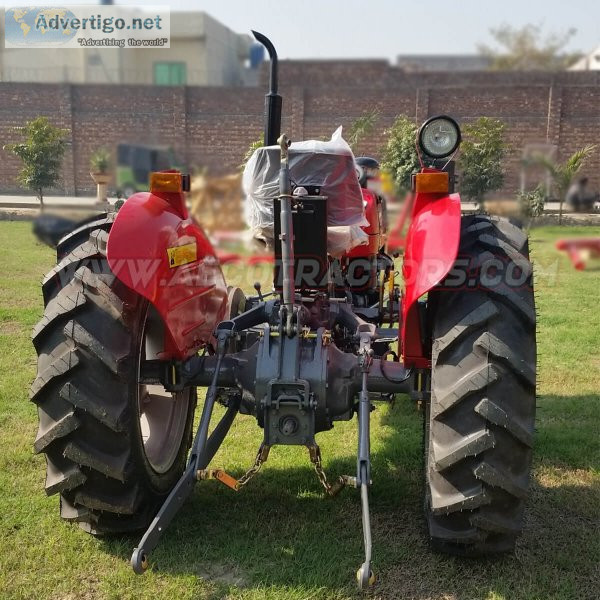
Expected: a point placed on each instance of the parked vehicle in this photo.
(135, 162)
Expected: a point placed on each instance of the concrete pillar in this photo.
(66, 121)
(555, 102)
(296, 109)
(421, 105)
(180, 132)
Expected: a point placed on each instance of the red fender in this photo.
(431, 249)
(155, 249)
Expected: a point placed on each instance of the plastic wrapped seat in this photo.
(327, 166)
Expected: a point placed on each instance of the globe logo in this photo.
(38, 26)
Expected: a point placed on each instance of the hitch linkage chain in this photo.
(261, 458)
(342, 481)
(231, 482)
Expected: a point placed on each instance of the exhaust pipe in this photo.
(272, 99)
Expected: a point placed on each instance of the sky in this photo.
(386, 28)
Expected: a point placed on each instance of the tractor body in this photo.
(138, 315)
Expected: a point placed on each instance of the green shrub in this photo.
(482, 158)
(399, 156)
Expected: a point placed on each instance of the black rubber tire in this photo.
(480, 418)
(81, 233)
(88, 344)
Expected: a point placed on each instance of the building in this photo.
(588, 62)
(418, 63)
(203, 52)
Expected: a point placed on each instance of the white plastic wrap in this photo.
(342, 238)
(328, 165)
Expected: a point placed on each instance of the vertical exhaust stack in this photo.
(272, 99)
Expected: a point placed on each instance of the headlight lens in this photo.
(439, 137)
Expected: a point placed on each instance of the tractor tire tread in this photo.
(62, 360)
(481, 414)
(82, 338)
(57, 308)
(126, 504)
(108, 464)
(510, 358)
(56, 429)
(469, 383)
(480, 315)
(469, 446)
(80, 234)
(495, 415)
(74, 514)
(111, 416)
(61, 480)
(86, 397)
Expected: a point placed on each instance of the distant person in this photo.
(578, 198)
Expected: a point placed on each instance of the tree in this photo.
(41, 152)
(361, 127)
(562, 173)
(526, 49)
(399, 156)
(481, 158)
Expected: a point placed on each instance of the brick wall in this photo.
(212, 127)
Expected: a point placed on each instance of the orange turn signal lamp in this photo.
(437, 182)
(169, 181)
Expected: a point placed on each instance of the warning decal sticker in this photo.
(182, 255)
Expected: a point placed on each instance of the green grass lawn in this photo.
(278, 538)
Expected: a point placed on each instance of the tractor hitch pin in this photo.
(341, 482)
(231, 482)
(219, 475)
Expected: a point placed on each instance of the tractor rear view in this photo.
(138, 315)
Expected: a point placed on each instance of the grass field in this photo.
(278, 538)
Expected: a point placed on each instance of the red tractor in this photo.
(138, 315)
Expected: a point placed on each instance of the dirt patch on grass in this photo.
(10, 328)
(222, 573)
(552, 477)
(90, 591)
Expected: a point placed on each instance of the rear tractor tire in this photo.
(114, 449)
(480, 418)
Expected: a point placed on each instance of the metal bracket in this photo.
(231, 482)
(365, 575)
(203, 450)
(219, 475)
